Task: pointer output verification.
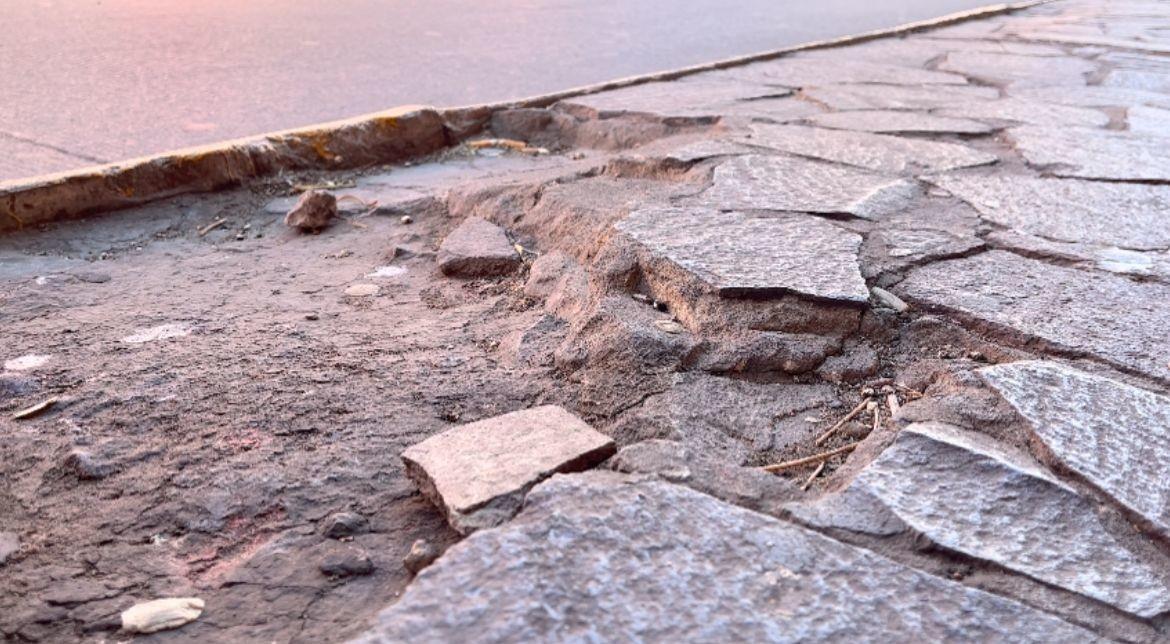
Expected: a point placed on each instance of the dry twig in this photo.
(212, 226)
(812, 477)
(809, 460)
(892, 402)
(841, 423)
(35, 410)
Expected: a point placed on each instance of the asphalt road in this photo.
(92, 81)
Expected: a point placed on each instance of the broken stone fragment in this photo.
(345, 561)
(477, 248)
(313, 211)
(601, 556)
(969, 494)
(1094, 153)
(422, 554)
(343, 524)
(1112, 435)
(88, 467)
(161, 614)
(478, 474)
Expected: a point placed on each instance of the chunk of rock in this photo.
(1093, 153)
(477, 248)
(968, 494)
(478, 474)
(1112, 435)
(422, 554)
(877, 152)
(161, 614)
(788, 183)
(345, 562)
(1002, 68)
(895, 122)
(600, 556)
(9, 545)
(314, 210)
(1125, 215)
(1107, 316)
(343, 524)
(740, 255)
(88, 467)
(852, 366)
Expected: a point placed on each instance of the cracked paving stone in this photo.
(1016, 70)
(1094, 154)
(1131, 216)
(478, 473)
(877, 152)
(1027, 112)
(1111, 318)
(761, 182)
(1136, 71)
(1148, 120)
(1092, 96)
(969, 495)
(740, 255)
(798, 72)
(881, 97)
(894, 122)
(603, 556)
(1110, 434)
(689, 97)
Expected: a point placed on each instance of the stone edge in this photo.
(394, 135)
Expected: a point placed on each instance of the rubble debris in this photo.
(422, 554)
(478, 473)
(889, 299)
(313, 211)
(477, 248)
(343, 524)
(808, 460)
(599, 555)
(161, 614)
(345, 561)
(212, 226)
(88, 467)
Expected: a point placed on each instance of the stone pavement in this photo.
(979, 453)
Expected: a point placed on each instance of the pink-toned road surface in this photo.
(92, 81)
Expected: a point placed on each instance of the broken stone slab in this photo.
(1094, 153)
(798, 71)
(726, 418)
(600, 556)
(1148, 120)
(1124, 215)
(478, 473)
(1000, 68)
(1136, 71)
(161, 614)
(739, 255)
(689, 97)
(896, 122)
(968, 494)
(1027, 112)
(1092, 96)
(477, 248)
(1110, 434)
(877, 152)
(758, 182)
(1111, 318)
(882, 97)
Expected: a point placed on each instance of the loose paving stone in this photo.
(786, 183)
(1108, 433)
(477, 474)
(1126, 215)
(314, 210)
(797, 72)
(755, 256)
(601, 557)
(1111, 318)
(1027, 112)
(1094, 154)
(968, 494)
(727, 419)
(881, 97)
(693, 97)
(477, 248)
(878, 152)
(893, 122)
(1011, 69)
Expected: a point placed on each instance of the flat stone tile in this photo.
(991, 46)
(878, 152)
(1110, 434)
(478, 473)
(1094, 154)
(1125, 215)
(894, 122)
(1011, 69)
(687, 97)
(603, 557)
(1148, 120)
(742, 255)
(905, 52)
(883, 97)
(1136, 71)
(477, 248)
(1111, 318)
(969, 495)
(799, 71)
(758, 182)
(1027, 112)
(1092, 96)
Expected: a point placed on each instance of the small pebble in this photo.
(312, 316)
(422, 554)
(407, 219)
(346, 562)
(86, 467)
(343, 524)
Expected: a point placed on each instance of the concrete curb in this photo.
(391, 136)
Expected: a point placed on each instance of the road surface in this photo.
(92, 81)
